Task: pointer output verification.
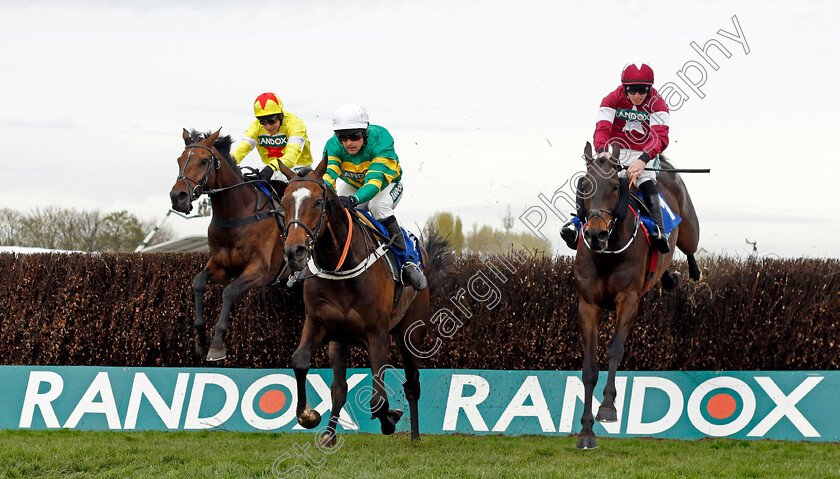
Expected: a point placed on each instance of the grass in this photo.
(76, 454)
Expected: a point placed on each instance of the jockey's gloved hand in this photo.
(266, 173)
(348, 201)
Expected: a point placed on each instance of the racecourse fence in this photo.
(514, 312)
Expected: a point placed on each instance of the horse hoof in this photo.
(327, 440)
(606, 415)
(216, 354)
(670, 280)
(201, 350)
(390, 421)
(587, 442)
(699, 278)
(309, 419)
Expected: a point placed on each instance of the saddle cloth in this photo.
(670, 220)
(412, 251)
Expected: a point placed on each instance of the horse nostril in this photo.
(177, 196)
(602, 235)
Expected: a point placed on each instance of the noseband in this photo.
(199, 185)
(313, 235)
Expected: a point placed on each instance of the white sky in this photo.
(490, 102)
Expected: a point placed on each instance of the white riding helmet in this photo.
(350, 117)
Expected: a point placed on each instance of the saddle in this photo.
(396, 258)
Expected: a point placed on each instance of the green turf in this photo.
(69, 454)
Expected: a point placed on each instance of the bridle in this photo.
(621, 204)
(199, 185)
(316, 233)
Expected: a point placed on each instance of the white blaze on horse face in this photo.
(299, 195)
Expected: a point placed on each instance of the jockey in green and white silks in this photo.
(365, 171)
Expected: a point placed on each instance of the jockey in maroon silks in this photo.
(636, 118)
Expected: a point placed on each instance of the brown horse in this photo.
(245, 238)
(612, 270)
(349, 296)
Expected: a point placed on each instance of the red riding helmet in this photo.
(637, 74)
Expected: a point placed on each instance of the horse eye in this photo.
(319, 202)
(615, 188)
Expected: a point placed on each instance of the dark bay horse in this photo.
(245, 238)
(344, 308)
(612, 270)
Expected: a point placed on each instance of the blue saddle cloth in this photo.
(670, 220)
(412, 251)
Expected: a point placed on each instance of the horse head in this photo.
(601, 190)
(307, 203)
(197, 168)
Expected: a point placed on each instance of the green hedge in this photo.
(127, 309)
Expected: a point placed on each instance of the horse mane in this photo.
(222, 144)
(665, 162)
(304, 171)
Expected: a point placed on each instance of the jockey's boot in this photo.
(570, 232)
(658, 238)
(410, 271)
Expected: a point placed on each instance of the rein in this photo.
(200, 186)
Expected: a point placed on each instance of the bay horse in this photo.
(349, 297)
(613, 269)
(244, 236)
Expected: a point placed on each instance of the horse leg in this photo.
(310, 338)
(588, 326)
(202, 339)
(670, 280)
(338, 390)
(694, 273)
(251, 277)
(412, 371)
(210, 273)
(626, 306)
(378, 350)
(689, 238)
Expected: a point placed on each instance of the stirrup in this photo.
(416, 278)
(660, 240)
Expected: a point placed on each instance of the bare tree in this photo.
(71, 229)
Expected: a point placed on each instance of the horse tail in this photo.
(439, 252)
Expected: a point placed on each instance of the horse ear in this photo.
(616, 152)
(287, 172)
(212, 138)
(187, 137)
(587, 153)
(322, 167)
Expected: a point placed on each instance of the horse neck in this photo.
(231, 202)
(623, 231)
(330, 244)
